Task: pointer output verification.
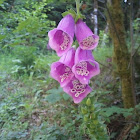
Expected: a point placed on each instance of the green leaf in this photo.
(1, 1)
(53, 98)
(24, 24)
(74, 15)
(65, 13)
(2, 37)
(135, 129)
(55, 95)
(111, 110)
(71, 12)
(54, 90)
(80, 16)
(66, 96)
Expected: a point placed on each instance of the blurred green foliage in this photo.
(32, 105)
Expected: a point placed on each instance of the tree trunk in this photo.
(121, 56)
(95, 17)
(132, 50)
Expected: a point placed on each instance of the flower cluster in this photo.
(75, 67)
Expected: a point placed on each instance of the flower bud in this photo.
(93, 116)
(92, 108)
(84, 110)
(88, 102)
(95, 122)
(86, 118)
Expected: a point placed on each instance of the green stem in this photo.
(78, 6)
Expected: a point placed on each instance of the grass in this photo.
(30, 104)
(102, 54)
(25, 113)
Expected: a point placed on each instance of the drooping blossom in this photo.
(77, 90)
(85, 66)
(61, 38)
(61, 70)
(85, 37)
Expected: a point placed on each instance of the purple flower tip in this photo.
(85, 67)
(68, 58)
(61, 71)
(86, 39)
(77, 90)
(61, 38)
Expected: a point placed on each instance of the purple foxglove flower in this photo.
(77, 90)
(86, 39)
(85, 66)
(61, 70)
(61, 38)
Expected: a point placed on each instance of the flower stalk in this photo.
(78, 6)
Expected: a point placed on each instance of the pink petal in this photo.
(59, 41)
(61, 38)
(85, 55)
(68, 58)
(61, 73)
(85, 66)
(77, 90)
(67, 25)
(86, 39)
(84, 74)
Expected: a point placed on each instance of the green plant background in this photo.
(32, 104)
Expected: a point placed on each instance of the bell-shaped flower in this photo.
(77, 90)
(86, 39)
(85, 66)
(61, 70)
(61, 38)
